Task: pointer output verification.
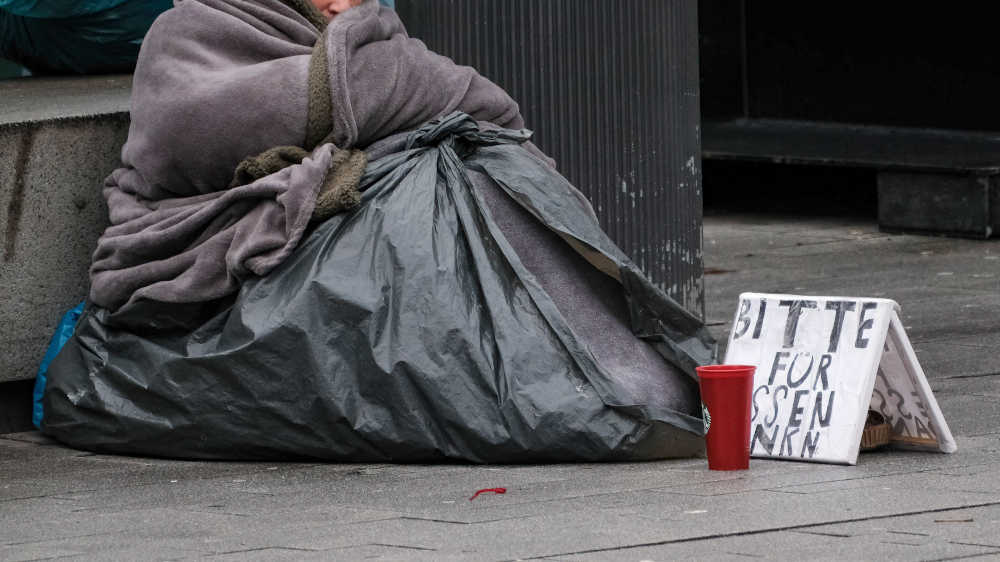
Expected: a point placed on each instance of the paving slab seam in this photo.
(55, 496)
(189, 510)
(971, 376)
(432, 520)
(781, 489)
(981, 435)
(967, 556)
(22, 543)
(395, 518)
(60, 557)
(822, 534)
(5, 437)
(665, 489)
(403, 546)
(975, 544)
(932, 472)
(262, 548)
(764, 531)
(445, 521)
(951, 343)
(911, 533)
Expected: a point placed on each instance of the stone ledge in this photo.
(34, 100)
(59, 139)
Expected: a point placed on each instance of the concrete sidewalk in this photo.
(56, 502)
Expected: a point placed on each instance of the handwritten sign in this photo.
(822, 362)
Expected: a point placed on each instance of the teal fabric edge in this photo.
(64, 331)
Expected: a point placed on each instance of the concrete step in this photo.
(59, 139)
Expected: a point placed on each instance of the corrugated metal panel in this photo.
(611, 90)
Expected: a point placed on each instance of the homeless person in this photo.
(330, 242)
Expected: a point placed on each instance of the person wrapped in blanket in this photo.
(328, 241)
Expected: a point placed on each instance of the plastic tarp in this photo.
(63, 332)
(48, 41)
(57, 8)
(422, 325)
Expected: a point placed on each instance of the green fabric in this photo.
(267, 163)
(340, 190)
(320, 105)
(320, 100)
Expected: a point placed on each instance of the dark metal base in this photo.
(929, 180)
(952, 205)
(903, 149)
(15, 406)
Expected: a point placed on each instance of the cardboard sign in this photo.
(822, 363)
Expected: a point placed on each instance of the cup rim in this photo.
(725, 371)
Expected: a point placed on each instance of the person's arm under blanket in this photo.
(383, 82)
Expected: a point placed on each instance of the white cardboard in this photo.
(904, 397)
(818, 372)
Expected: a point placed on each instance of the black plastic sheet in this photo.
(409, 329)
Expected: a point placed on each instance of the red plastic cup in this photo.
(725, 405)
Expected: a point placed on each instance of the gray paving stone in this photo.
(55, 501)
(976, 526)
(88, 525)
(564, 496)
(81, 471)
(281, 553)
(855, 259)
(35, 437)
(971, 414)
(794, 546)
(97, 548)
(42, 551)
(432, 492)
(616, 520)
(984, 482)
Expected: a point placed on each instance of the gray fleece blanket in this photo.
(219, 81)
